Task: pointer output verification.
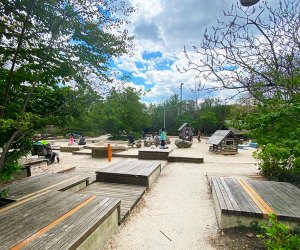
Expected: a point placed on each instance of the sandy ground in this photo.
(177, 212)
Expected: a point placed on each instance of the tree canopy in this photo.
(45, 45)
(255, 52)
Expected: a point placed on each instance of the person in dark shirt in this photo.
(82, 140)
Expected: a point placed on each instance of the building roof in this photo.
(220, 135)
(185, 125)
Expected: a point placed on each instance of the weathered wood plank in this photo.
(230, 208)
(231, 198)
(245, 202)
(29, 186)
(284, 199)
(35, 219)
(221, 201)
(128, 194)
(77, 228)
(131, 172)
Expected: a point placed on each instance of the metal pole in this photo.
(181, 92)
(180, 97)
(164, 117)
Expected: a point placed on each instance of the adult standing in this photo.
(163, 138)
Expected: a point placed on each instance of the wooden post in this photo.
(109, 153)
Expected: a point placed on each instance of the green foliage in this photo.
(123, 111)
(4, 193)
(10, 168)
(45, 45)
(208, 117)
(275, 127)
(279, 236)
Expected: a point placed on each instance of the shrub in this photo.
(279, 236)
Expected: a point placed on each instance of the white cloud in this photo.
(167, 26)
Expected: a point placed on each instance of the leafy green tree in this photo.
(276, 129)
(46, 43)
(123, 111)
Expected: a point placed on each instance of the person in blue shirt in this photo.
(163, 138)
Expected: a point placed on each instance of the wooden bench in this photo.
(242, 201)
(142, 173)
(60, 220)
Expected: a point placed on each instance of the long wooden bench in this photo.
(242, 201)
(60, 220)
(142, 173)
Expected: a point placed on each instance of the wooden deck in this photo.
(142, 173)
(59, 220)
(241, 201)
(37, 185)
(154, 154)
(128, 194)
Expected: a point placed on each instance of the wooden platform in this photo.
(59, 220)
(154, 154)
(125, 154)
(83, 152)
(101, 151)
(40, 184)
(175, 158)
(241, 201)
(70, 148)
(128, 194)
(142, 173)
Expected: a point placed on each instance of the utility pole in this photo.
(197, 90)
(181, 97)
(164, 117)
(181, 91)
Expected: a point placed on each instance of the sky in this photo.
(162, 28)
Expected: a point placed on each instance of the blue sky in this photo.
(162, 28)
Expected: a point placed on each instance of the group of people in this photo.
(159, 140)
(80, 142)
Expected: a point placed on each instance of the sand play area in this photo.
(177, 212)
